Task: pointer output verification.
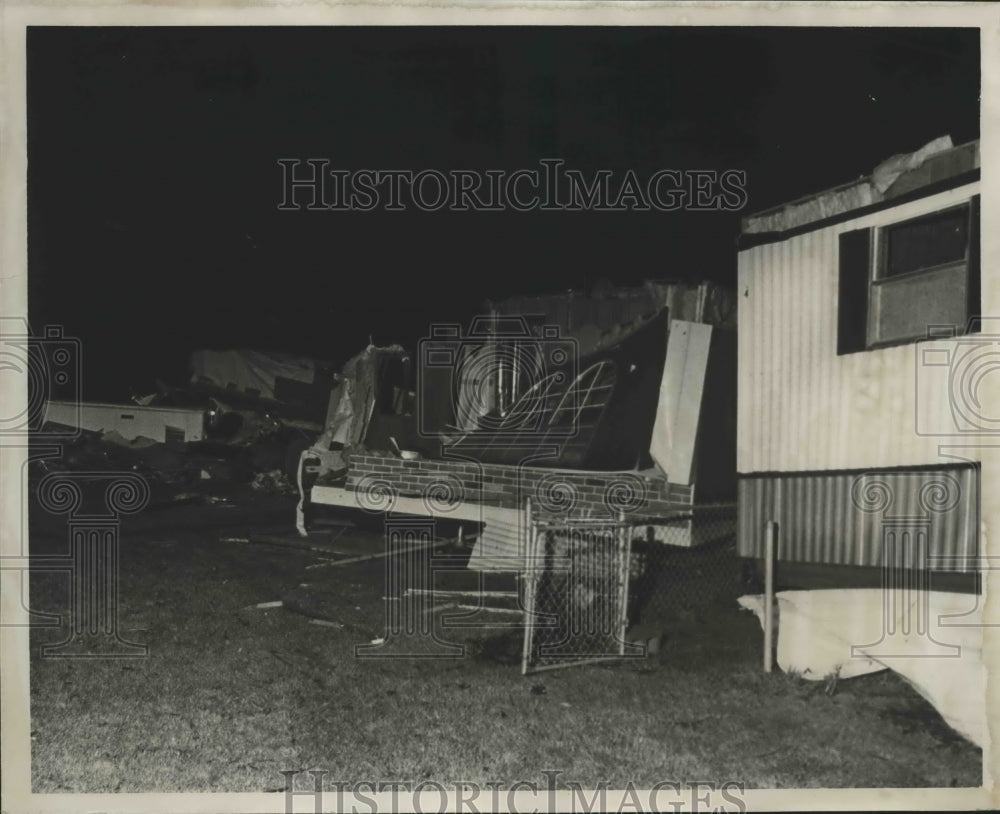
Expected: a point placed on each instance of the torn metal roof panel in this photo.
(899, 175)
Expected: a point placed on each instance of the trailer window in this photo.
(921, 277)
(901, 283)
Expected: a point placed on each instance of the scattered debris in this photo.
(380, 554)
(322, 563)
(437, 592)
(274, 481)
(289, 542)
(243, 417)
(325, 623)
(137, 442)
(335, 522)
(646, 635)
(405, 454)
(831, 681)
(486, 609)
(383, 375)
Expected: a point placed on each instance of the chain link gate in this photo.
(576, 583)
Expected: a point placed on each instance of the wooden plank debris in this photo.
(381, 554)
(264, 605)
(448, 593)
(324, 623)
(489, 609)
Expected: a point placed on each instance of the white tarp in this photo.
(251, 370)
(931, 638)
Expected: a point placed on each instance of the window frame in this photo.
(882, 242)
(880, 280)
(857, 287)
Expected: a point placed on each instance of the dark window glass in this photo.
(927, 242)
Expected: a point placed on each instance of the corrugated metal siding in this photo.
(844, 518)
(802, 407)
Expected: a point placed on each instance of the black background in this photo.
(154, 183)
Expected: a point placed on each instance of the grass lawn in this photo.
(230, 695)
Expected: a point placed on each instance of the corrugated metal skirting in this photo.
(926, 519)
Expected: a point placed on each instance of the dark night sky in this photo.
(154, 184)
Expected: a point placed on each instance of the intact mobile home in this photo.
(845, 393)
(860, 364)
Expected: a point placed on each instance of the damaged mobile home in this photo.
(622, 399)
(294, 389)
(859, 347)
(242, 414)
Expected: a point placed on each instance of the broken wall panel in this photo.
(300, 383)
(679, 406)
(600, 416)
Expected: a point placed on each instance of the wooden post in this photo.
(770, 539)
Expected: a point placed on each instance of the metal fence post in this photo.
(770, 539)
(625, 568)
(528, 583)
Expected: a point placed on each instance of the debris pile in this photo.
(274, 481)
(243, 418)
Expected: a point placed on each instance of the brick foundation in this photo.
(551, 491)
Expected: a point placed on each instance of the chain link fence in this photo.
(594, 588)
(575, 584)
(684, 564)
(582, 590)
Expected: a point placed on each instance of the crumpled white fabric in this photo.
(932, 638)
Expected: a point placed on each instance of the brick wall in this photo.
(551, 491)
